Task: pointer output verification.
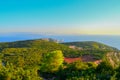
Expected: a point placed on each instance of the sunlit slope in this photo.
(90, 45)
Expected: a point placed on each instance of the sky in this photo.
(100, 17)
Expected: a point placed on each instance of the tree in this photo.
(52, 61)
(104, 71)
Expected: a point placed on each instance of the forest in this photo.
(45, 59)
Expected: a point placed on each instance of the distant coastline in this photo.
(113, 40)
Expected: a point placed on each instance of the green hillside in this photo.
(39, 43)
(99, 50)
(43, 59)
(90, 45)
(47, 45)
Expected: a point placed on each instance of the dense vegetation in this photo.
(48, 45)
(44, 59)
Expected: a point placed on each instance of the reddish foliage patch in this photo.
(85, 58)
(71, 60)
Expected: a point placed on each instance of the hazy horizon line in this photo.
(52, 33)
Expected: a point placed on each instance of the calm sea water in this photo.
(113, 41)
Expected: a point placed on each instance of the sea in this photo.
(111, 40)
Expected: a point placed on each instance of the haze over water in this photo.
(111, 40)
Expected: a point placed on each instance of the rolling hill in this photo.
(95, 50)
(90, 45)
(47, 44)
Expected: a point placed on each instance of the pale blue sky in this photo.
(60, 16)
